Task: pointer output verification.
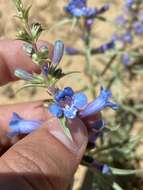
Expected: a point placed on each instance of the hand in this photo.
(44, 159)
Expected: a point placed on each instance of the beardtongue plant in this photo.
(65, 104)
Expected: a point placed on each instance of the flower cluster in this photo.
(131, 26)
(78, 9)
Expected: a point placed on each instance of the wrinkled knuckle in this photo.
(24, 166)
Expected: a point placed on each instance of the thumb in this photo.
(45, 159)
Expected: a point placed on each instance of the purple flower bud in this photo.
(18, 125)
(58, 52)
(104, 8)
(22, 74)
(104, 168)
(89, 23)
(72, 51)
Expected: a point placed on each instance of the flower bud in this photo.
(58, 52)
(44, 52)
(23, 74)
(28, 49)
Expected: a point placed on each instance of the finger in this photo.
(45, 159)
(12, 57)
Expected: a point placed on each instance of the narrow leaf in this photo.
(65, 128)
(117, 171)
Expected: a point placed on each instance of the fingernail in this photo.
(78, 133)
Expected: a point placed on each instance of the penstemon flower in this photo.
(79, 8)
(68, 103)
(18, 125)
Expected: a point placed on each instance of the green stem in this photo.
(87, 68)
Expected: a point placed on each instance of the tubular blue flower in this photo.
(97, 105)
(58, 52)
(79, 8)
(67, 103)
(103, 48)
(18, 125)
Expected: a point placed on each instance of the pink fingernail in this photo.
(78, 132)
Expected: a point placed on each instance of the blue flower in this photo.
(67, 103)
(18, 125)
(79, 8)
(138, 27)
(101, 102)
(127, 37)
(121, 21)
(129, 3)
(103, 48)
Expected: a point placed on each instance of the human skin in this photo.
(45, 159)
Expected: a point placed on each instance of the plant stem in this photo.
(87, 68)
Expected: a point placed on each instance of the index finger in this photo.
(13, 57)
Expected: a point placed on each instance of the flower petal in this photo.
(68, 91)
(56, 110)
(101, 102)
(80, 100)
(19, 125)
(70, 112)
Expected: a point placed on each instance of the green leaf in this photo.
(117, 171)
(26, 13)
(116, 186)
(65, 128)
(30, 85)
(36, 30)
(58, 24)
(74, 22)
(72, 72)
